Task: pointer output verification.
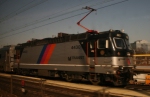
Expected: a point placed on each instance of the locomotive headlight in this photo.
(111, 30)
(122, 30)
(107, 72)
(119, 35)
(120, 67)
(128, 54)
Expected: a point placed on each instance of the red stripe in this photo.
(45, 54)
(50, 51)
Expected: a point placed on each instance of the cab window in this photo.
(119, 43)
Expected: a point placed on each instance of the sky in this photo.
(23, 20)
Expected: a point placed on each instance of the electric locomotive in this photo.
(98, 57)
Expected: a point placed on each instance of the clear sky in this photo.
(22, 20)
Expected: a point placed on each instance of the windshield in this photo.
(128, 44)
(119, 43)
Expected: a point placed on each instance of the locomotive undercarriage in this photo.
(121, 77)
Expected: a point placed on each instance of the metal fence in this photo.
(141, 59)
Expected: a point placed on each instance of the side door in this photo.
(91, 53)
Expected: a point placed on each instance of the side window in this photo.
(101, 43)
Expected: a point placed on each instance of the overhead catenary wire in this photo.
(49, 18)
(14, 12)
(63, 19)
(40, 20)
(65, 10)
(20, 10)
(45, 19)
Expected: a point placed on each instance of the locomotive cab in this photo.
(110, 56)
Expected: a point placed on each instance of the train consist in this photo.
(99, 57)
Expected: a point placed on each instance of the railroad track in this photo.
(39, 87)
(48, 88)
(138, 87)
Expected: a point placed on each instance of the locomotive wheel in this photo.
(116, 81)
(94, 79)
(69, 77)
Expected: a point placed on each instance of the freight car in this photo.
(99, 57)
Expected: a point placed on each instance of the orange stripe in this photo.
(50, 51)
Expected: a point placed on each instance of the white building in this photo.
(141, 45)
